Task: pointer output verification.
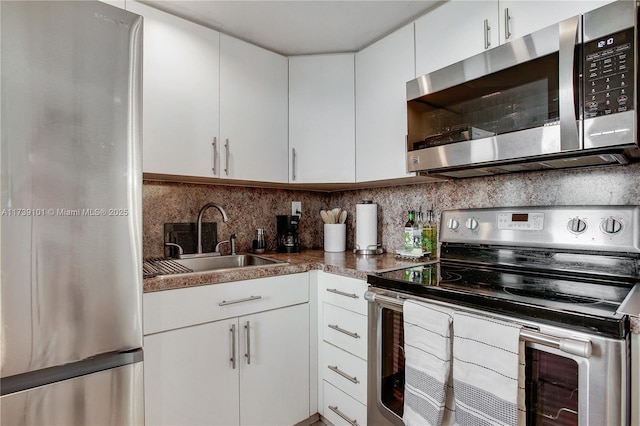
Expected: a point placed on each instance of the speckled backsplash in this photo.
(251, 208)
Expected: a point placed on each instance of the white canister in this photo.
(335, 237)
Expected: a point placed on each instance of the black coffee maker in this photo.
(288, 237)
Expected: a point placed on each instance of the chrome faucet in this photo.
(199, 224)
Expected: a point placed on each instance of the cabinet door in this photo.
(381, 106)
(526, 17)
(253, 112)
(454, 31)
(180, 94)
(322, 118)
(189, 376)
(274, 378)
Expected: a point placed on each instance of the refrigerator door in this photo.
(71, 182)
(109, 397)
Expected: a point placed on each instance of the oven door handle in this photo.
(578, 347)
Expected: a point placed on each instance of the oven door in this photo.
(385, 355)
(572, 378)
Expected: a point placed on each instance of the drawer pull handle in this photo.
(246, 299)
(342, 330)
(342, 293)
(335, 369)
(335, 409)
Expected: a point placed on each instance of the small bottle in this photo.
(417, 234)
(408, 231)
(427, 245)
(432, 232)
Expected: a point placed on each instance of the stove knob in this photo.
(453, 224)
(577, 225)
(472, 224)
(611, 226)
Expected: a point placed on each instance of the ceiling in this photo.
(301, 27)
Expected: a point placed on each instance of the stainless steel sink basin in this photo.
(234, 261)
(206, 263)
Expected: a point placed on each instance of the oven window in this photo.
(522, 97)
(551, 389)
(392, 361)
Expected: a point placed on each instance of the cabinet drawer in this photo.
(345, 371)
(345, 329)
(170, 309)
(340, 409)
(348, 293)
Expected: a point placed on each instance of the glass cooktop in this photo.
(582, 302)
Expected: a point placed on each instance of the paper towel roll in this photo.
(366, 226)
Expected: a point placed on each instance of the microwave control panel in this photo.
(608, 74)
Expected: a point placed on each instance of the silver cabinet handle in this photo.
(507, 24)
(215, 154)
(342, 330)
(342, 293)
(335, 369)
(293, 164)
(226, 159)
(335, 409)
(246, 299)
(232, 330)
(487, 28)
(247, 355)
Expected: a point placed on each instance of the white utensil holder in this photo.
(335, 237)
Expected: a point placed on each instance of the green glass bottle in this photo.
(432, 234)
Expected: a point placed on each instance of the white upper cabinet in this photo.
(453, 31)
(180, 94)
(322, 118)
(458, 29)
(382, 70)
(253, 112)
(520, 18)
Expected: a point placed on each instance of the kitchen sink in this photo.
(205, 263)
(233, 261)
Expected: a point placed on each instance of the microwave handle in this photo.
(570, 40)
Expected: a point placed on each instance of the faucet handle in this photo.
(180, 250)
(217, 249)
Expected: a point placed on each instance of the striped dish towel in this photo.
(488, 372)
(427, 351)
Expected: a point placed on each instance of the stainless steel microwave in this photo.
(564, 96)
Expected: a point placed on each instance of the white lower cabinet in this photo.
(274, 367)
(250, 368)
(189, 379)
(342, 347)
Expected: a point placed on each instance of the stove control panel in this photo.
(606, 228)
(521, 221)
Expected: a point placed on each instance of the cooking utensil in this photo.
(343, 216)
(325, 216)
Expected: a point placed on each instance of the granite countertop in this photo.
(346, 263)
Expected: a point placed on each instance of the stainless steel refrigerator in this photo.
(71, 268)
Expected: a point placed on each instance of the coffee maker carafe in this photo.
(288, 237)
